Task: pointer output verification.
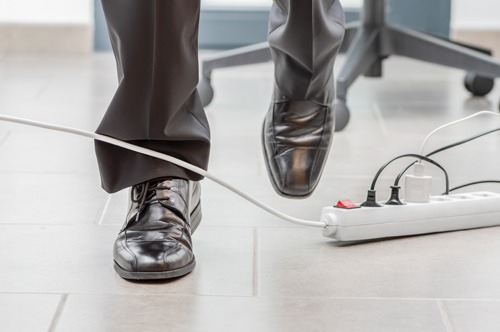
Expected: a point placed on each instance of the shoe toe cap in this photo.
(295, 172)
(158, 256)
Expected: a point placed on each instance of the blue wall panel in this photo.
(223, 29)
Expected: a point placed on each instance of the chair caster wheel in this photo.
(206, 92)
(342, 115)
(479, 86)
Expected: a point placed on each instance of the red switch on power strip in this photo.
(346, 204)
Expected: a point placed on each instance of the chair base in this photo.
(368, 43)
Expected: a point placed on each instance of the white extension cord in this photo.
(442, 213)
(165, 157)
(427, 138)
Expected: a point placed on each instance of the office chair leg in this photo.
(247, 55)
(362, 56)
(351, 29)
(477, 85)
(482, 68)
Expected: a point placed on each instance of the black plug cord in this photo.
(374, 182)
(447, 147)
(371, 200)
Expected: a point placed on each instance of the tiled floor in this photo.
(254, 273)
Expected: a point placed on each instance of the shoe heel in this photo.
(195, 217)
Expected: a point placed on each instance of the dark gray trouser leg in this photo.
(305, 36)
(156, 105)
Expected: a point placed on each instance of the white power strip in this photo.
(441, 214)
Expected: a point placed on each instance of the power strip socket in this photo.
(441, 214)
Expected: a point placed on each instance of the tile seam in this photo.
(57, 314)
(255, 286)
(104, 210)
(445, 316)
(5, 137)
(380, 119)
(246, 296)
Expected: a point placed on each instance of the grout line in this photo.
(34, 224)
(31, 172)
(255, 286)
(104, 210)
(444, 315)
(5, 137)
(57, 315)
(140, 294)
(380, 119)
(42, 89)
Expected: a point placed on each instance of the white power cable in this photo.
(454, 123)
(165, 157)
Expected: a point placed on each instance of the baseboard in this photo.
(61, 39)
(487, 38)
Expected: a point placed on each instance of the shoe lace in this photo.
(144, 194)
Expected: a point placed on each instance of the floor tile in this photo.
(116, 208)
(471, 316)
(16, 85)
(329, 192)
(425, 119)
(216, 200)
(239, 156)
(3, 136)
(27, 312)
(459, 265)
(38, 151)
(81, 115)
(57, 226)
(179, 313)
(50, 198)
(78, 259)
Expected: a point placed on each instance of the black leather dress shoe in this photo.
(155, 242)
(296, 140)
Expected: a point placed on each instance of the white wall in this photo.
(75, 12)
(476, 14)
(467, 14)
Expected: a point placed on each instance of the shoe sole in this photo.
(195, 222)
(271, 177)
(154, 275)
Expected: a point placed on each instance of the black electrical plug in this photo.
(371, 199)
(394, 200)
